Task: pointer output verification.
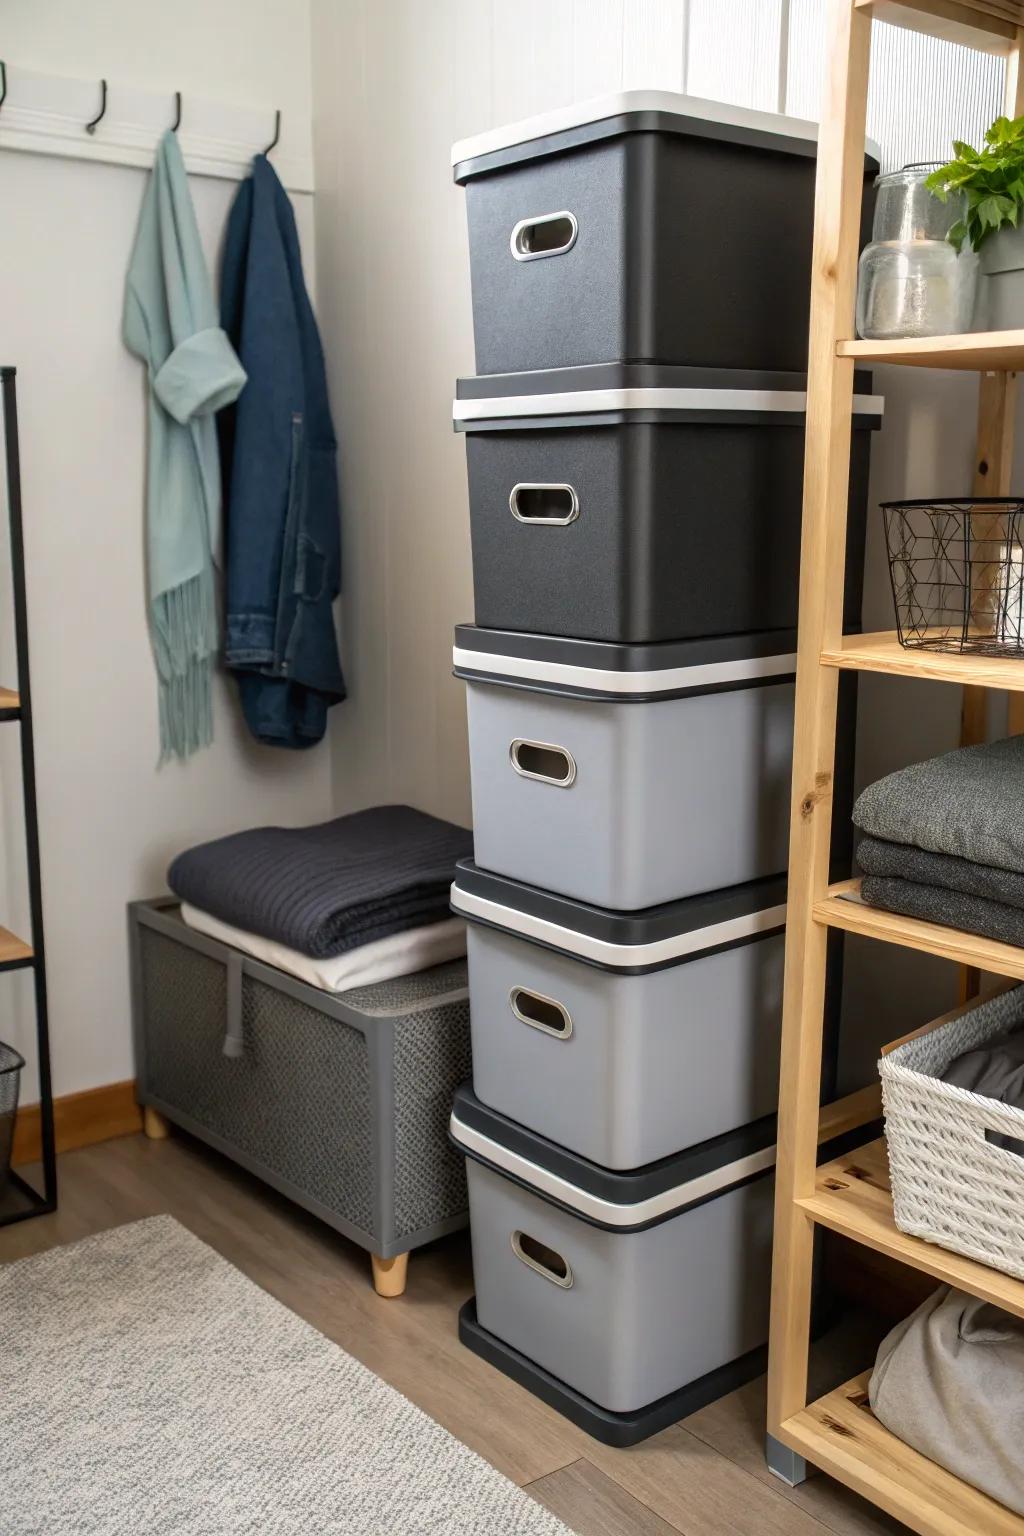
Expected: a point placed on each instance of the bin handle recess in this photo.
(540, 1012)
(544, 1260)
(543, 761)
(544, 502)
(544, 234)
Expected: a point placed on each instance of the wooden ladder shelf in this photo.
(838, 1433)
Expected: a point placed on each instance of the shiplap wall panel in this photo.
(654, 45)
(597, 32)
(923, 92)
(532, 55)
(734, 50)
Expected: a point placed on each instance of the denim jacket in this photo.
(278, 451)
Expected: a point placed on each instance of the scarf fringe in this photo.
(185, 643)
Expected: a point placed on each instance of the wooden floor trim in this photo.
(80, 1120)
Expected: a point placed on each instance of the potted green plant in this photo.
(991, 182)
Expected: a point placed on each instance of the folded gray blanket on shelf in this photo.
(967, 804)
(327, 889)
(904, 862)
(937, 904)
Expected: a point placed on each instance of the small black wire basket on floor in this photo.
(11, 1065)
(957, 572)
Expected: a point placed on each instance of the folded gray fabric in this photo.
(968, 803)
(949, 1381)
(904, 862)
(997, 1071)
(955, 909)
(327, 889)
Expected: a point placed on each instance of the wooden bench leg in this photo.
(154, 1124)
(389, 1275)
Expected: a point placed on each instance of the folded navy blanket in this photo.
(967, 804)
(937, 904)
(902, 861)
(327, 889)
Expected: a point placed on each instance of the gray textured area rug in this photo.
(148, 1386)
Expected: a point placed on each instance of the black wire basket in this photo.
(957, 572)
(11, 1065)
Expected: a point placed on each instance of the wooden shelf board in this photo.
(841, 1435)
(9, 700)
(13, 951)
(977, 352)
(882, 652)
(852, 1197)
(843, 908)
(988, 25)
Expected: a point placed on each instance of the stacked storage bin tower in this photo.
(634, 438)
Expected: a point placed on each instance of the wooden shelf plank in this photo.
(852, 1197)
(840, 1434)
(988, 27)
(13, 951)
(843, 908)
(978, 351)
(882, 652)
(10, 701)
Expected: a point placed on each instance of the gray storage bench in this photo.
(340, 1101)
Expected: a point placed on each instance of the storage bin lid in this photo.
(631, 674)
(603, 117)
(601, 394)
(631, 943)
(618, 1202)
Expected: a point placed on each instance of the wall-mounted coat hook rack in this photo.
(277, 133)
(91, 127)
(3, 82)
(177, 112)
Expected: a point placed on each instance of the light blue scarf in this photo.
(170, 322)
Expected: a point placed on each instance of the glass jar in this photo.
(910, 281)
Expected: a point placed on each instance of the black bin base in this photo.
(618, 1429)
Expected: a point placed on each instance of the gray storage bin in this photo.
(627, 776)
(626, 1288)
(340, 1101)
(624, 1039)
(636, 503)
(593, 231)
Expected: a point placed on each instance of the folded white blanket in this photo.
(400, 955)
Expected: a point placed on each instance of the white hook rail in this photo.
(46, 115)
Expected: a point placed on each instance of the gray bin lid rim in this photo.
(621, 1201)
(626, 110)
(631, 942)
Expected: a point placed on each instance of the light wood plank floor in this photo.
(704, 1477)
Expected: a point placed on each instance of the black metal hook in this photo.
(277, 133)
(91, 127)
(3, 82)
(177, 112)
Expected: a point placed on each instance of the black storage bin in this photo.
(645, 226)
(635, 503)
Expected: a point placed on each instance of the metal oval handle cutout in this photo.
(544, 234)
(534, 501)
(543, 761)
(540, 1012)
(544, 1260)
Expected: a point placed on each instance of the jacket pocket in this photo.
(316, 572)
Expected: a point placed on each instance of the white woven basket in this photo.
(950, 1185)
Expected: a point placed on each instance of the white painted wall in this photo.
(109, 820)
(395, 82)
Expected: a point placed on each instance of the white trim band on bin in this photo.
(617, 105)
(657, 951)
(582, 402)
(603, 680)
(607, 1211)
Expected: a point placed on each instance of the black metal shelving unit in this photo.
(18, 1199)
